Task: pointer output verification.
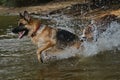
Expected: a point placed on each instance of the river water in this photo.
(18, 59)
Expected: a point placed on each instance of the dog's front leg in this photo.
(44, 47)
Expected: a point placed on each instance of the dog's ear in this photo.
(21, 16)
(26, 16)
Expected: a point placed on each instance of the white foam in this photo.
(109, 40)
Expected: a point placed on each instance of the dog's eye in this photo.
(21, 24)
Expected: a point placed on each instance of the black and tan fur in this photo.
(44, 37)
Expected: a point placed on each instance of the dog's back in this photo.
(65, 38)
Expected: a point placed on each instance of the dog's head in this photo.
(87, 33)
(23, 25)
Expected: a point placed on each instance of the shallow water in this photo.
(18, 61)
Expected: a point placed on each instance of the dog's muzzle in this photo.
(21, 31)
(83, 39)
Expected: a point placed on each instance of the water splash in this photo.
(108, 40)
(62, 21)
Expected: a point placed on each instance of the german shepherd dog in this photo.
(44, 37)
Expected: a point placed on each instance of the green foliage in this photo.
(20, 3)
(0, 2)
(8, 3)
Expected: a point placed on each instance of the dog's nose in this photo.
(83, 39)
(14, 30)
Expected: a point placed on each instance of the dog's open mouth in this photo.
(21, 34)
(20, 31)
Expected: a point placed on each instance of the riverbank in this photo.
(38, 9)
(74, 8)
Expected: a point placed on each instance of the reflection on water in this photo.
(18, 62)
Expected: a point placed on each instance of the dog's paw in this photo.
(44, 58)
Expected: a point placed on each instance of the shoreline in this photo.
(63, 7)
(40, 9)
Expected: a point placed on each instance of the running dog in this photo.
(92, 31)
(44, 37)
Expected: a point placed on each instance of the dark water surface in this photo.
(18, 61)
